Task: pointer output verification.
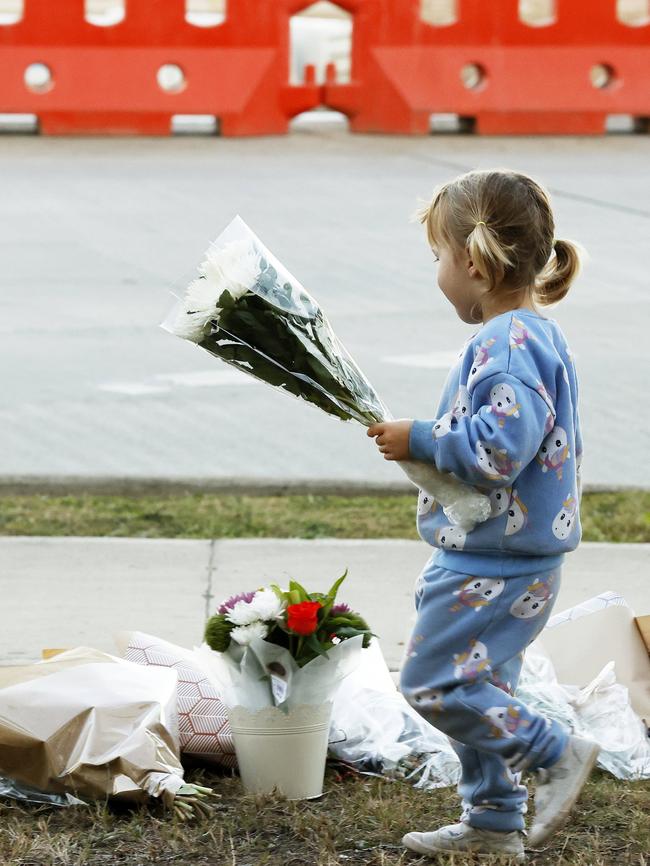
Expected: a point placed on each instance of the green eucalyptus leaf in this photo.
(294, 586)
(314, 644)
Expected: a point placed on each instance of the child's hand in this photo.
(393, 438)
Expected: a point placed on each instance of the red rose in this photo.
(303, 618)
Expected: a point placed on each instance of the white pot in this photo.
(282, 751)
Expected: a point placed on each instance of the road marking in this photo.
(206, 378)
(133, 389)
(162, 383)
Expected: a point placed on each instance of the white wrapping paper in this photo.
(92, 725)
(265, 675)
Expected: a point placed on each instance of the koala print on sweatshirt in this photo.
(461, 407)
(426, 502)
(473, 662)
(504, 721)
(499, 501)
(462, 403)
(443, 425)
(451, 537)
(428, 700)
(477, 592)
(550, 417)
(565, 520)
(494, 463)
(554, 451)
(532, 602)
(517, 515)
(503, 403)
(519, 334)
(482, 358)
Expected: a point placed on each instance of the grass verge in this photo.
(622, 516)
(358, 822)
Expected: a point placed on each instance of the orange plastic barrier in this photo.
(104, 79)
(489, 67)
(518, 78)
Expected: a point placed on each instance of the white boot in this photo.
(462, 837)
(559, 786)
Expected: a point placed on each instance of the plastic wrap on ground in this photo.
(601, 711)
(375, 730)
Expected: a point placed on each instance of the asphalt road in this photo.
(96, 233)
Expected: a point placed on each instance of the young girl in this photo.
(507, 424)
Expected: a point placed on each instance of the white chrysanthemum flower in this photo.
(235, 267)
(244, 634)
(242, 613)
(267, 605)
(195, 311)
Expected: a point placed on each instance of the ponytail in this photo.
(488, 254)
(560, 271)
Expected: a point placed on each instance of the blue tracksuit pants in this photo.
(461, 670)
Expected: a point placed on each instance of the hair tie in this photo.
(481, 223)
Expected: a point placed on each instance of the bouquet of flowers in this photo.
(279, 656)
(248, 310)
(285, 647)
(307, 624)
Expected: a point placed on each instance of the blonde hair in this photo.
(504, 221)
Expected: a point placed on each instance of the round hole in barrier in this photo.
(473, 76)
(171, 78)
(38, 78)
(602, 75)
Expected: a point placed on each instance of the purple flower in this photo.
(339, 609)
(229, 603)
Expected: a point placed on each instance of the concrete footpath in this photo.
(65, 592)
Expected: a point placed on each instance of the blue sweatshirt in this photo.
(508, 425)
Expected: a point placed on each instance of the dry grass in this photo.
(605, 516)
(358, 822)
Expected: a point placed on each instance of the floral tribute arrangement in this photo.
(283, 648)
(279, 657)
(248, 310)
(305, 624)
